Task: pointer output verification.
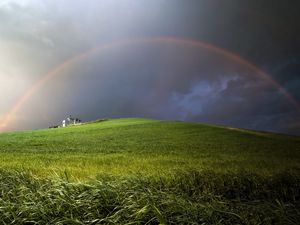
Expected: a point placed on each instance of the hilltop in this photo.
(149, 147)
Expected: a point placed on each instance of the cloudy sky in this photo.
(231, 62)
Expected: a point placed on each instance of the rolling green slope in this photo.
(140, 171)
(148, 147)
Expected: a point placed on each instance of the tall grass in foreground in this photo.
(185, 198)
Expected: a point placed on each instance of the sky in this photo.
(234, 63)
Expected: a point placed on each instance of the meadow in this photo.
(143, 171)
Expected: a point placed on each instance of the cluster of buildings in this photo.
(70, 121)
(67, 122)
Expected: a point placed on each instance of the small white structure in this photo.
(70, 121)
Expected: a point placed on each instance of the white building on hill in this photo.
(70, 121)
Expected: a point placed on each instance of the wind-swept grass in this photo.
(187, 198)
(138, 171)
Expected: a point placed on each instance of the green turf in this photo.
(148, 147)
(141, 171)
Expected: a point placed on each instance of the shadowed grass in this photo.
(187, 198)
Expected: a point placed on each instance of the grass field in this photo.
(140, 171)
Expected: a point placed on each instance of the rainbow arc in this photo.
(8, 118)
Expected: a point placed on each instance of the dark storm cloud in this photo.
(256, 106)
(288, 74)
(154, 80)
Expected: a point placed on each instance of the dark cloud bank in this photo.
(157, 80)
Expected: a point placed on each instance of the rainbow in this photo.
(8, 118)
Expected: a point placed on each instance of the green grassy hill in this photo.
(141, 171)
(149, 147)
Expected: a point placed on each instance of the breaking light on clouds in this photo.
(201, 96)
(158, 80)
